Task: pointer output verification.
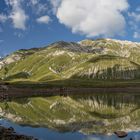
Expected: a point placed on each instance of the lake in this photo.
(79, 117)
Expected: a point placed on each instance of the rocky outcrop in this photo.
(121, 134)
(10, 134)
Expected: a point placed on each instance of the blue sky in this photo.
(36, 23)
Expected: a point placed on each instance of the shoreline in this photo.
(9, 133)
(26, 92)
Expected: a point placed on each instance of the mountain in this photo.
(101, 59)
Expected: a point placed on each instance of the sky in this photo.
(37, 23)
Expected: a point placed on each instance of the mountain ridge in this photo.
(101, 59)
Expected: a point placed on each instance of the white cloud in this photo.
(3, 18)
(19, 19)
(92, 17)
(44, 19)
(136, 35)
(38, 6)
(17, 14)
(135, 16)
(134, 23)
(18, 34)
(55, 4)
(34, 2)
(42, 8)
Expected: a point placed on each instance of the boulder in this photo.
(121, 134)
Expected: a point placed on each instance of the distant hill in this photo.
(101, 59)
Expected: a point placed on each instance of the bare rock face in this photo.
(16, 56)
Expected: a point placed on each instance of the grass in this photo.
(55, 66)
(87, 83)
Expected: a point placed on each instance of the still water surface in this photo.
(90, 117)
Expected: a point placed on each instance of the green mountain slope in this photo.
(102, 59)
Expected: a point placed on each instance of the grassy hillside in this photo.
(103, 59)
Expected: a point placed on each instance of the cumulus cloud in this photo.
(17, 14)
(92, 17)
(3, 18)
(44, 19)
(55, 4)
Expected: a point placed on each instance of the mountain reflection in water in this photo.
(88, 114)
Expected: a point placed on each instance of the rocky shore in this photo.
(9, 92)
(10, 134)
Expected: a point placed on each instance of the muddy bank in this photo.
(9, 92)
(10, 134)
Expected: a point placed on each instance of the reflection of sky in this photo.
(132, 135)
(46, 134)
(42, 133)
